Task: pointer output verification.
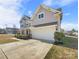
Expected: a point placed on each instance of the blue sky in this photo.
(11, 11)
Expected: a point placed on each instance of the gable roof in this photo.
(46, 8)
(49, 8)
(25, 18)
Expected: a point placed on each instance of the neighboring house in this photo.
(24, 25)
(44, 22)
(11, 30)
(75, 33)
(2, 31)
(70, 33)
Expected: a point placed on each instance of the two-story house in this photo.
(45, 21)
(24, 24)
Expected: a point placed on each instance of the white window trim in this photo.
(39, 14)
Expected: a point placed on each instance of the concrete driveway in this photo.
(24, 49)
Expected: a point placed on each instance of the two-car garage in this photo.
(44, 32)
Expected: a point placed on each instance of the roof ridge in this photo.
(49, 8)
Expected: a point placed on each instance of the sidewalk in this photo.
(71, 36)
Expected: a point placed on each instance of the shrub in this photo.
(22, 36)
(58, 36)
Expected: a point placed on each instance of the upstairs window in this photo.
(41, 15)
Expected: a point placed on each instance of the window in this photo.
(21, 21)
(21, 25)
(41, 16)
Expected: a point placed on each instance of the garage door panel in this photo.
(44, 33)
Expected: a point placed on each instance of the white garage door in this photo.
(44, 33)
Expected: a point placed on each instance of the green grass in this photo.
(70, 42)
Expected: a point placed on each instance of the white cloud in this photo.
(58, 2)
(66, 14)
(30, 13)
(65, 2)
(10, 3)
(8, 16)
(9, 13)
(69, 26)
(47, 2)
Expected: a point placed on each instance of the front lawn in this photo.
(5, 38)
(67, 50)
(60, 52)
(70, 42)
(2, 41)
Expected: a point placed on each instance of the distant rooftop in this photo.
(25, 17)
